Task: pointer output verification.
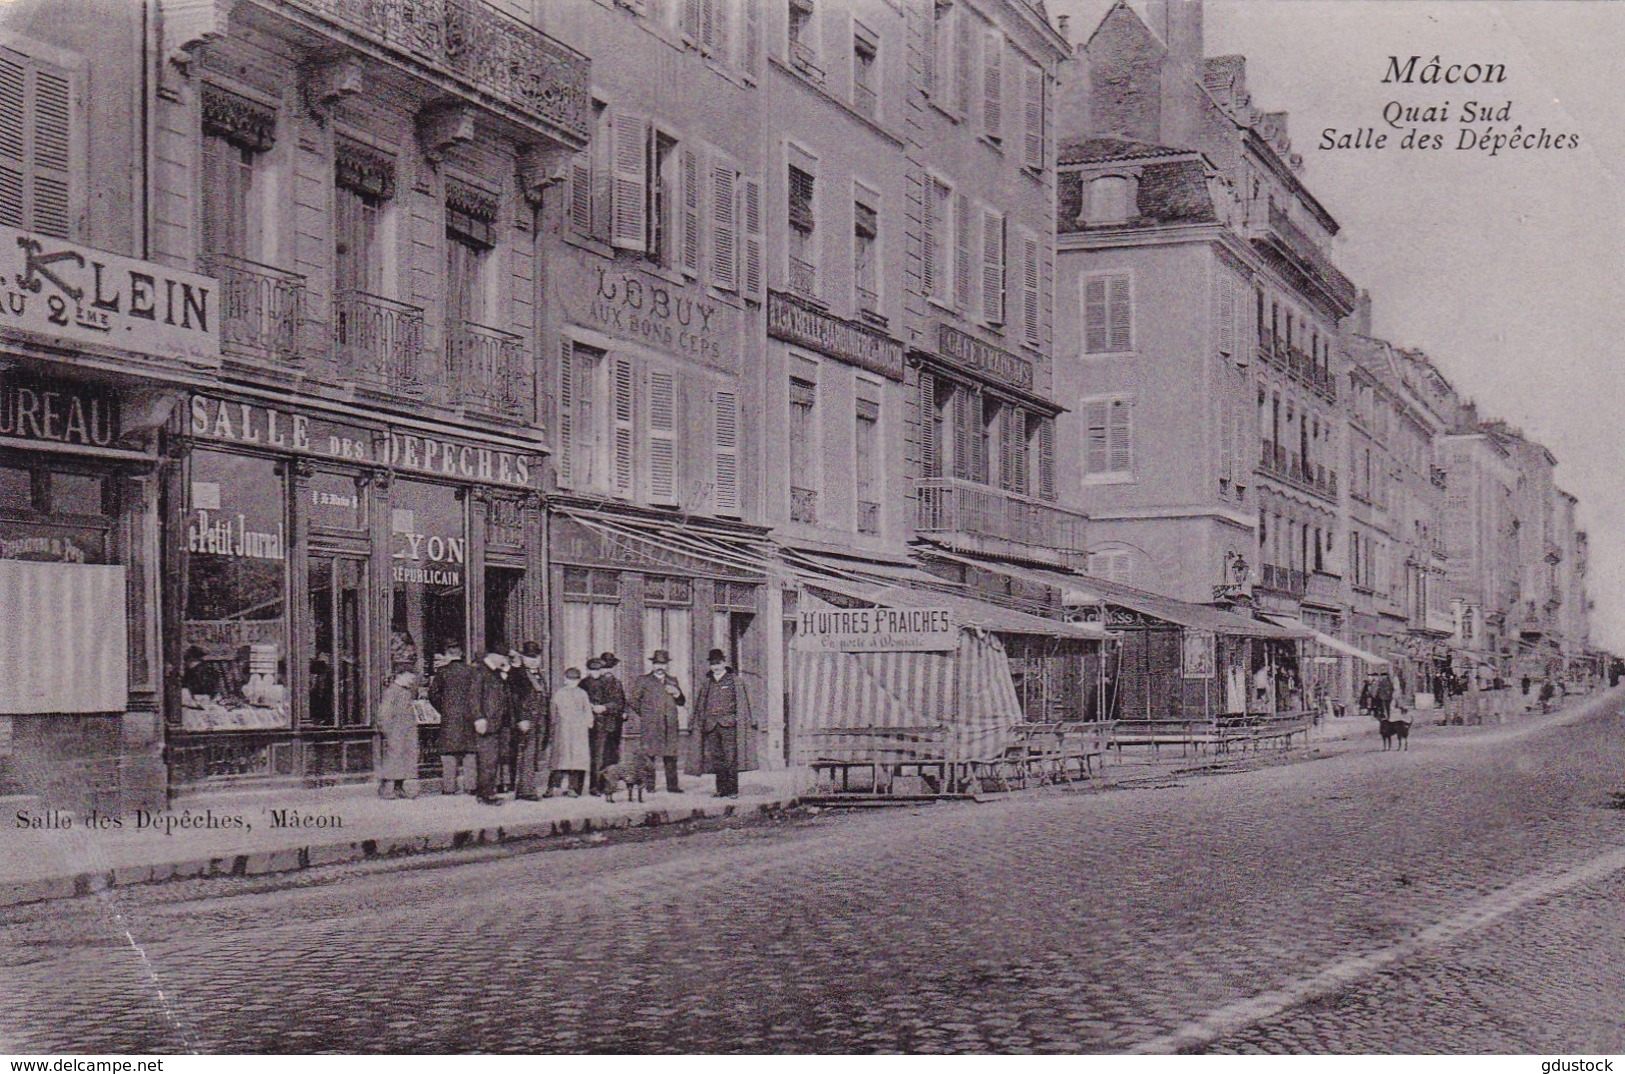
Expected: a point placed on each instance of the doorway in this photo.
(337, 684)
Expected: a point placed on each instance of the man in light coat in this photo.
(655, 698)
(722, 708)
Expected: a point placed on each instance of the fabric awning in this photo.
(1333, 643)
(967, 610)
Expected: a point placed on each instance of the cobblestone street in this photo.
(1458, 897)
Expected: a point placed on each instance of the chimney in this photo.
(1062, 26)
(1362, 314)
(1179, 24)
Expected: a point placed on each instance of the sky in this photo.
(1506, 270)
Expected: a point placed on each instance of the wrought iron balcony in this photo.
(1276, 462)
(468, 48)
(1288, 242)
(488, 368)
(868, 517)
(1283, 580)
(946, 505)
(804, 505)
(380, 341)
(262, 309)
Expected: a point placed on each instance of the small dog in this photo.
(1392, 729)
(629, 774)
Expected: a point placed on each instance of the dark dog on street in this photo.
(1392, 729)
(628, 773)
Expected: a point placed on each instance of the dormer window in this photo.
(1111, 200)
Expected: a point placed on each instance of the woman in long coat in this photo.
(399, 726)
(571, 750)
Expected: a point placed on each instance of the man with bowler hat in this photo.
(723, 710)
(608, 699)
(491, 711)
(655, 699)
(454, 693)
(529, 710)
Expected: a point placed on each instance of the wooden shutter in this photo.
(726, 445)
(689, 195)
(962, 252)
(750, 195)
(928, 52)
(629, 183)
(992, 267)
(930, 450)
(14, 156)
(691, 19)
(1008, 454)
(1046, 458)
(1095, 336)
(724, 225)
(624, 428)
(1030, 268)
(963, 69)
(1224, 297)
(1121, 437)
(1121, 315)
(929, 269)
(1032, 111)
(36, 128)
(966, 425)
(566, 415)
(993, 85)
(1096, 455)
(581, 193)
(752, 38)
(662, 436)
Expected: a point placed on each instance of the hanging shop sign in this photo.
(57, 412)
(969, 353)
(797, 321)
(874, 630)
(283, 429)
(63, 290)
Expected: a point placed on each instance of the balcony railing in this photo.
(804, 505)
(1307, 257)
(950, 505)
(1324, 585)
(1276, 462)
(488, 368)
(868, 517)
(380, 340)
(803, 278)
(261, 309)
(1287, 580)
(1297, 364)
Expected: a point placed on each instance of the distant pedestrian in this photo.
(722, 708)
(654, 699)
(570, 753)
(398, 724)
(492, 707)
(527, 688)
(608, 699)
(453, 692)
(1365, 695)
(1547, 693)
(1526, 684)
(1382, 697)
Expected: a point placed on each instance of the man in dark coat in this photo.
(452, 693)
(528, 695)
(1382, 697)
(722, 708)
(491, 706)
(608, 699)
(654, 699)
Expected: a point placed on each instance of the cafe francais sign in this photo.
(797, 321)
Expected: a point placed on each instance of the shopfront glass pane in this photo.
(16, 490)
(234, 625)
(429, 576)
(337, 607)
(76, 494)
(503, 600)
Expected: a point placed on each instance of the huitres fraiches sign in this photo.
(797, 321)
(875, 630)
(62, 290)
(972, 354)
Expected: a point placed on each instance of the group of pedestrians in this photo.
(497, 716)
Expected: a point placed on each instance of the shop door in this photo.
(338, 608)
(504, 623)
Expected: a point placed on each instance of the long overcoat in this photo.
(572, 725)
(399, 726)
(656, 712)
(742, 720)
(454, 692)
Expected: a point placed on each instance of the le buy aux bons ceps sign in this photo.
(51, 287)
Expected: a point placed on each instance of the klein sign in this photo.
(877, 630)
(795, 321)
(58, 289)
(970, 353)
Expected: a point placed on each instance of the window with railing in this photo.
(802, 39)
(865, 257)
(804, 451)
(802, 253)
(866, 451)
(865, 71)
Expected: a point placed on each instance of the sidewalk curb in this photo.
(298, 859)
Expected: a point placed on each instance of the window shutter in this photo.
(1007, 448)
(708, 23)
(993, 85)
(36, 126)
(566, 416)
(13, 131)
(630, 183)
(752, 38)
(965, 420)
(1046, 293)
(691, 19)
(662, 414)
(1032, 107)
(724, 225)
(624, 429)
(962, 61)
(1046, 458)
(1226, 297)
(930, 451)
(929, 270)
(753, 284)
(992, 267)
(689, 162)
(727, 453)
(962, 252)
(1096, 455)
(928, 51)
(1030, 268)
(1121, 437)
(581, 193)
(1121, 315)
(1095, 336)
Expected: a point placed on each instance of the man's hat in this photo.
(660, 656)
(716, 656)
(595, 664)
(530, 648)
(609, 659)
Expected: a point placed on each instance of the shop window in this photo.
(668, 624)
(16, 489)
(76, 494)
(234, 629)
(591, 607)
(676, 592)
(429, 549)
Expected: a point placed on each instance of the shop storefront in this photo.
(310, 556)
